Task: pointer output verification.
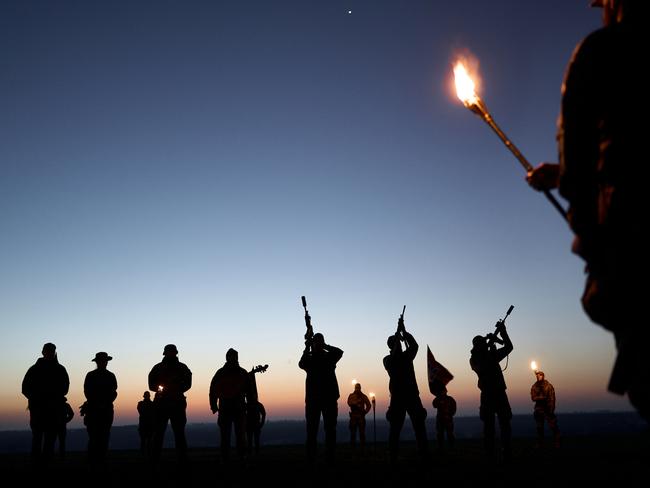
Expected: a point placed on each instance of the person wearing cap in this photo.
(100, 389)
(484, 361)
(603, 174)
(230, 390)
(170, 379)
(404, 392)
(543, 394)
(45, 386)
(319, 360)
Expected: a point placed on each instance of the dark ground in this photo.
(609, 460)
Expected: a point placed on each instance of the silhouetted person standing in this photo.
(445, 406)
(603, 174)
(170, 379)
(146, 423)
(255, 413)
(65, 416)
(255, 420)
(45, 385)
(404, 392)
(543, 394)
(359, 405)
(321, 392)
(229, 390)
(484, 360)
(100, 389)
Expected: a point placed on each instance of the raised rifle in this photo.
(401, 329)
(310, 330)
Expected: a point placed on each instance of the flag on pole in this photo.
(438, 375)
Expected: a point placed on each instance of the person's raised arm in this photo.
(411, 345)
(507, 343)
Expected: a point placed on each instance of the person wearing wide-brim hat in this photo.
(100, 389)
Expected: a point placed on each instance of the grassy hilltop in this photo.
(581, 461)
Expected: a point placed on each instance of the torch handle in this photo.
(485, 115)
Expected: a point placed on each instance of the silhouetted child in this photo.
(66, 416)
(255, 418)
(146, 423)
(446, 409)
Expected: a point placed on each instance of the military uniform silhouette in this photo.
(359, 405)
(603, 174)
(543, 394)
(404, 392)
(321, 392)
(484, 360)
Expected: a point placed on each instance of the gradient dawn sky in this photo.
(180, 171)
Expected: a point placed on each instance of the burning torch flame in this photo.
(465, 88)
(533, 365)
(466, 92)
(160, 388)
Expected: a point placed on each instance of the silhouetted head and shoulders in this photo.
(144, 406)
(399, 364)
(170, 377)
(47, 379)
(319, 361)
(319, 352)
(231, 383)
(358, 401)
(100, 385)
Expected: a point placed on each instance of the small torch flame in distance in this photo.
(465, 87)
(533, 366)
(372, 397)
(160, 388)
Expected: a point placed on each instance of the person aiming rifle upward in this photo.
(321, 388)
(484, 360)
(404, 393)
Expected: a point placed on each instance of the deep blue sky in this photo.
(183, 171)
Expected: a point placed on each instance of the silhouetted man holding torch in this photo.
(404, 392)
(485, 361)
(603, 173)
(170, 379)
(543, 394)
(359, 405)
(321, 389)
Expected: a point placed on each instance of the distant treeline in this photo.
(287, 432)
